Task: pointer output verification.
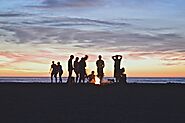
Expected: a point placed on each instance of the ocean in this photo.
(64, 79)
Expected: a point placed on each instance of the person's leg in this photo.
(101, 75)
(55, 77)
(116, 79)
(51, 77)
(83, 79)
(77, 75)
(83, 76)
(80, 79)
(60, 76)
(69, 77)
(98, 72)
(70, 73)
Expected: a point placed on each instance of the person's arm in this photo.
(73, 67)
(113, 57)
(120, 57)
(68, 65)
(85, 64)
(62, 69)
(50, 69)
(103, 64)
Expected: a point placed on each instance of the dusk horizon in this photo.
(149, 35)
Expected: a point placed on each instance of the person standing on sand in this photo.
(60, 71)
(53, 71)
(117, 62)
(83, 73)
(76, 68)
(70, 68)
(100, 65)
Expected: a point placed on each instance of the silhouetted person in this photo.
(60, 71)
(91, 77)
(70, 68)
(100, 65)
(82, 69)
(122, 71)
(77, 68)
(123, 77)
(117, 61)
(53, 71)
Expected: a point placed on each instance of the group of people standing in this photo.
(79, 68)
(56, 69)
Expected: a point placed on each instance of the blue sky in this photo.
(151, 30)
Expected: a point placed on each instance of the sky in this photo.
(149, 34)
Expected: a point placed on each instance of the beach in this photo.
(123, 103)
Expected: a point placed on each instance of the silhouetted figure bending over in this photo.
(60, 71)
(82, 69)
(70, 68)
(77, 68)
(91, 77)
(53, 71)
(100, 65)
(117, 61)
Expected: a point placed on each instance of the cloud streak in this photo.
(50, 4)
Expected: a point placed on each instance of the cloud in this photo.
(176, 58)
(40, 57)
(67, 4)
(111, 40)
(13, 14)
(10, 15)
(72, 22)
(170, 36)
(93, 35)
(171, 64)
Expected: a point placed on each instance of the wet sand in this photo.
(84, 103)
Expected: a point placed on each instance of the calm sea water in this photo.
(129, 80)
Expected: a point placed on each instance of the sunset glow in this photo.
(150, 35)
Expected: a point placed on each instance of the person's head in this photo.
(71, 56)
(77, 58)
(122, 70)
(86, 57)
(100, 57)
(58, 63)
(53, 62)
(92, 72)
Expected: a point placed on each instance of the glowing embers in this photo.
(97, 81)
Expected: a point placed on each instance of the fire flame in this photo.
(97, 81)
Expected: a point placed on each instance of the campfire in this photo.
(97, 81)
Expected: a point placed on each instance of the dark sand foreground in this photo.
(54, 103)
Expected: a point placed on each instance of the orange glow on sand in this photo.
(97, 81)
